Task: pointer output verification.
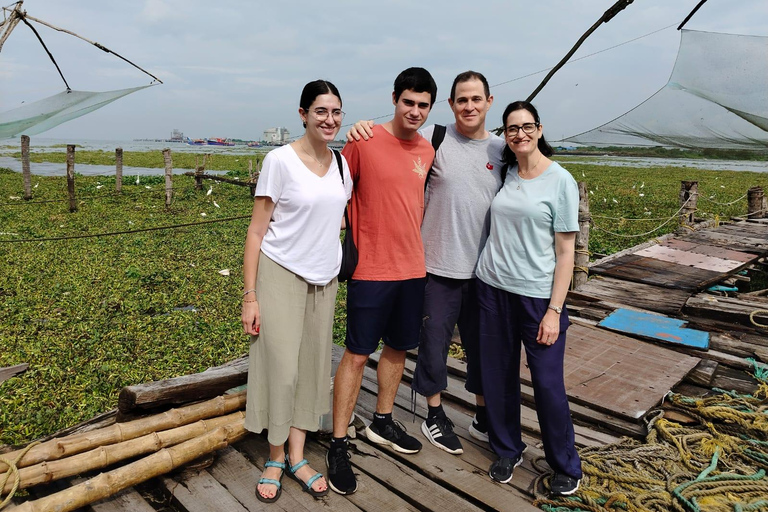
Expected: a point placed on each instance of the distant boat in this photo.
(254, 144)
(196, 142)
(220, 142)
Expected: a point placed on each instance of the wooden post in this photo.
(199, 174)
(689, 195)
(25, 170)
(168, 174)
(119, 170)
(71, 177)
(755, 199)
(581, 258)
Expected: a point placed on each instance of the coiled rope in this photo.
(12, 470)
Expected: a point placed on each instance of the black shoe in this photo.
(393, 434)
(501, 470)
(564, 485)
(439, 431)
(478, 430)
(340, 476)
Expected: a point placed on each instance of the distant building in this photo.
(177, 135)
(277, 135)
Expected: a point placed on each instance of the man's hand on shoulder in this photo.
(360, 129)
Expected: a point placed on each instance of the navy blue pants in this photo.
(508, 320)
(447, 303)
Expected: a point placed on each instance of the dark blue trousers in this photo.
(508, 320)
(447, 303)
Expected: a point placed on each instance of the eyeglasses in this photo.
(321, 114)
(513, 129)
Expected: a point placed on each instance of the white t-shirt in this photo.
(303, 234)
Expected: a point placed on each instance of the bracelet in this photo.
(246, 292)
(254, 300)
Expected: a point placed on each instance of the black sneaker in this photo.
(501, 470)
(564, 485)
(478, 431)
(340, 476)
(393, 434)
(439, 431)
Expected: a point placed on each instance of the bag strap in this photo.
(438, 135)
(341, 173)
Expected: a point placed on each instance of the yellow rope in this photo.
(12, 470)
(757, 312)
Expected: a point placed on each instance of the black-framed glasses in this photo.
(513, 129)
(321, 114)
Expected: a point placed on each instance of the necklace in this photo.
(321, 164)
(520, 178)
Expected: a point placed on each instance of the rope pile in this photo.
(718, 464)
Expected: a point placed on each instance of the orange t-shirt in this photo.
(388, 205)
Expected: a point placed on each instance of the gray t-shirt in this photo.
(465, 177)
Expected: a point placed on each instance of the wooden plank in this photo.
(655, 272)
(186, 388)
(200, 492)
(370, 494)
(709, 250)
(12, 371)
(618, 374)
(703, 373)
(235, 473)
(727, 241)
(731, 379)
(730, 309)
(127, 500)
(655, 326)
(691, 259)
(639, 295)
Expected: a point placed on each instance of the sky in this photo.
(235, 68)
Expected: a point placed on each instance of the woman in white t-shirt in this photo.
(292, 258)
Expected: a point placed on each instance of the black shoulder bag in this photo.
(349, 254)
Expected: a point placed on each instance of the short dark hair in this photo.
(314, 89)
(507, 155)
(466, 77)
(416, 80)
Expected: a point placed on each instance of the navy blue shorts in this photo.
(384, 310)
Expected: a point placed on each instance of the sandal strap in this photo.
(276, 483)
(299, 465)
(314, 478)
(275, 464)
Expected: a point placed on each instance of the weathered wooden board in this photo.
(200, 492)
(658, 327)
(727, 240)
(618, 374)
(640, 295)
(127, 500)
(690, 258)
(655, 272)
(709, 250)
(731, 309)
(11, 371)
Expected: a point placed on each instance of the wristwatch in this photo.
(556, 309)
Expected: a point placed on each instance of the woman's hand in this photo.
(251, 318)
(549, 328)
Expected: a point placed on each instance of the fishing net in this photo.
(715, 98)
(43, 115)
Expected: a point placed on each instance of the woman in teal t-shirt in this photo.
(524, 271)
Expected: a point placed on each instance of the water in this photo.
(648, 162)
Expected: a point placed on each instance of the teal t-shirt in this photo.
(519, 256)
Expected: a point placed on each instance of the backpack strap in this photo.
(341, 173)
(438, 135)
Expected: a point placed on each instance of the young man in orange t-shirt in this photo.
(385, 295)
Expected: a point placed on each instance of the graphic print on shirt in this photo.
(419, 168)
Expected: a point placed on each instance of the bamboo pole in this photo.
(755, 198)
(119, 170)
(581, 258)
(11, 22)
(25, 169)
(168, 176)
(104, 456)
(689, 195)
(78, 443)
(111, 482)
(71, 177)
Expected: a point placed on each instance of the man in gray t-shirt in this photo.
(463, 181)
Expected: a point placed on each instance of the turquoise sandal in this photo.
(307, 486)
(276, 483)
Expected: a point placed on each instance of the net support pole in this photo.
(689, 196)
(581, 258)
(71, 177)
(168, 176)
(755, 199)
(118, 170)
(25, 169)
